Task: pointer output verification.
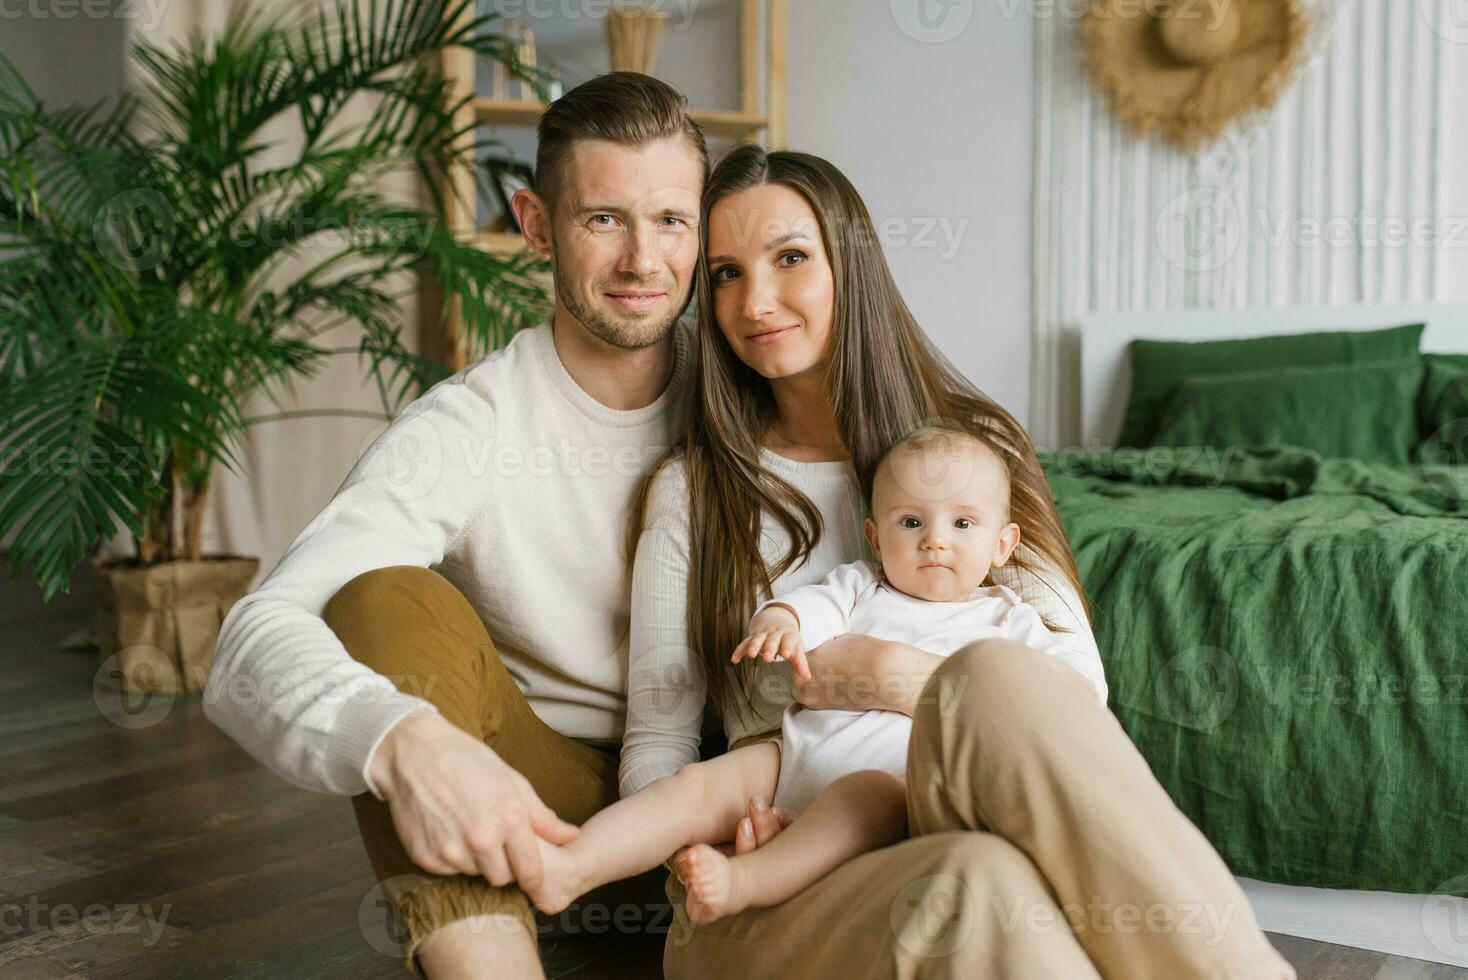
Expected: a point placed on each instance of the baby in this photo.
(939, 522)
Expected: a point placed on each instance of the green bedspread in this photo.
(1286, 641)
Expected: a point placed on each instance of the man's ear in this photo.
(870, 530)
(1008, 541)
(533, 217)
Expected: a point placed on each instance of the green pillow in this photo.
(1443, 371)
(1159, 366)
(1443, 409)
(1361, 411)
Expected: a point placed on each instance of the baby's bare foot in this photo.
(561, 880)
(713, 885)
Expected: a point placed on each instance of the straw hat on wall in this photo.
(1190, 67)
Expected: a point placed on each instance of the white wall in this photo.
(66, 56)
(935, 133)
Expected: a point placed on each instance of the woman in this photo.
(1041, 844)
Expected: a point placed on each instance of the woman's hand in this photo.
(754, 831)
(856, 672)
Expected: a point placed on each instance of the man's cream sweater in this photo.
(513, 483)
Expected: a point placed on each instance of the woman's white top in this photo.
(818, 747)
(665, 687)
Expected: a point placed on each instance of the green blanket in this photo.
(1286, 641)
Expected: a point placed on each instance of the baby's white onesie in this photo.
(817, 747)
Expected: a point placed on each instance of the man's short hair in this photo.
(623, 107)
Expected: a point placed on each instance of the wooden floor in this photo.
(165, 851)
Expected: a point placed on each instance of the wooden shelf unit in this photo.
(719, 122)
(752, 122)
(499, 241)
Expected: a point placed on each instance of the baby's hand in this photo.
(774, 634)
(769, 645)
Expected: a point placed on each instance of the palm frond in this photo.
(85, 439)
(497, 295)
(146, 278)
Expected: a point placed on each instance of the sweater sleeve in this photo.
(282, 685)
(1023, 623)
(665, 684)
(824, 608)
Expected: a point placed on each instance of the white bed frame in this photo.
(1427, 927)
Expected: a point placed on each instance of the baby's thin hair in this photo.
(947, 436)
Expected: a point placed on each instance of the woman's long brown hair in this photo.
(885, 379)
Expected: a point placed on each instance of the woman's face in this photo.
(771, 279)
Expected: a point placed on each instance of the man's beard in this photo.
(631, 334)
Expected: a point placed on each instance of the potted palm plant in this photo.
(151, 279)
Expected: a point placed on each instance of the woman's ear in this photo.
(1008, 541)
(870, 530)
(533, 217)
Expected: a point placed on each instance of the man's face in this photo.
(625, 238)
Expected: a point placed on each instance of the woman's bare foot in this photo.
(713, 883)
(562, 880)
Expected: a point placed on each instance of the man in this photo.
(510, 480)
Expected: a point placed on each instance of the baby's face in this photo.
(940, 520)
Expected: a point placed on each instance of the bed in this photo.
(1285, 629)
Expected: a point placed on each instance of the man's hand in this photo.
(856, 672)
(458, 807)
(755, 830)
